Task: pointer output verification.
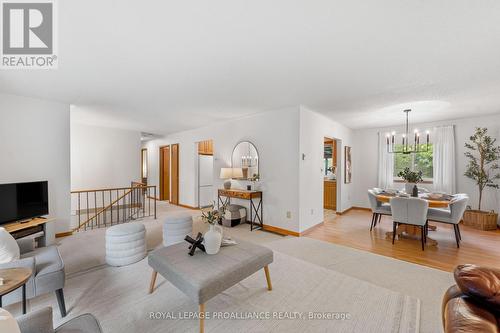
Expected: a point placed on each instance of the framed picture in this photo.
(348, 165)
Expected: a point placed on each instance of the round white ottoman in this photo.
(125, 244)
(175, 228)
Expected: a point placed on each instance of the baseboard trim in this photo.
(353, 208)
(280, 231)
(308, 230)
(64, 234)
(188, 207)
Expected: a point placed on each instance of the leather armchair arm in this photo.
(38, 321)
(26, 245)
(23, 262)
(452, 292)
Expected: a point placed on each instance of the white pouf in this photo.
(175, 228)
(125, 244)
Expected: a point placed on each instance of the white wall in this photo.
(103, 157)
(35, 145)
(276, 137)
(366, 157)
(313, 128)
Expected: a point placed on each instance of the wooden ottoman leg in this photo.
(268, 278)
(153, 280)
(202, 318)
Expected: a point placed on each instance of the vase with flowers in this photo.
(411, 178)
(213, 237)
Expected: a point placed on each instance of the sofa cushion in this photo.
(463, 315)
(9, 250)
(481, 283)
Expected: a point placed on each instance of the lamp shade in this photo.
(237, 173)
(226, 173)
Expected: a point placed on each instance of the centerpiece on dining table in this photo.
(411, 178)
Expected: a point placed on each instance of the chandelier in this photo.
(406, 147)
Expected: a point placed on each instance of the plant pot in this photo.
(481, 220)
(213, 239)
(409, 188)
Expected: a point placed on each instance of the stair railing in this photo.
(98, 208)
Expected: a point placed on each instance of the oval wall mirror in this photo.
(246, 158)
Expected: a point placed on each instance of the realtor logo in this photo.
(28, 34)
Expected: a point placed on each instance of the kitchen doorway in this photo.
(331, 174)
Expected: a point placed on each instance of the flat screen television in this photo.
(20, 201)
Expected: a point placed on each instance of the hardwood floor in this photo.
(353, 230)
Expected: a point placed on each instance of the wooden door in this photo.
(165, 173)
(174, 198)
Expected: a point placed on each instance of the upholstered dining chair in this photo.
(378, 208)
(411, 211)
(452, 216)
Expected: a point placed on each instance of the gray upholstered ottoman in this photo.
(234, 215)
(176, 228)
(202, 276)
(125, 244)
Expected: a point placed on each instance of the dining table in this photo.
(411, 231)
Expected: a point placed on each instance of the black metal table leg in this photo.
(24, 298)
(251, 215)
(0, 301)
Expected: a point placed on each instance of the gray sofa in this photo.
(40, 321)
(48, 273)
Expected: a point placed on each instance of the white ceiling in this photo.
(165, 66)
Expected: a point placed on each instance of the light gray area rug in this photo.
(119, 297)
(424, 283)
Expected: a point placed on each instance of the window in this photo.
(416, 162)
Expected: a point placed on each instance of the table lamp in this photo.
(226, 173)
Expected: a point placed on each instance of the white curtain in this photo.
(385, 163)
(443, 140)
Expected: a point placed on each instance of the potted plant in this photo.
(483, 168)
(412, 178)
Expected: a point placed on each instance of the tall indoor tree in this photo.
(483, 158)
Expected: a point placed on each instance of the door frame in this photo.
(174, 182)
(164, 196)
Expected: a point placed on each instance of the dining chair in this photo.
(378, 208)
(412, 211)
(453, 215)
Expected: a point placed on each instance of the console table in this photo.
(255, 211)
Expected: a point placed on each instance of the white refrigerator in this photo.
(205, 180)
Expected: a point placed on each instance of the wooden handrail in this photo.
(103, 210)
(112, 189)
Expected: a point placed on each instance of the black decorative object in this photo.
(415, 191)
(195, 243)
(249, 187)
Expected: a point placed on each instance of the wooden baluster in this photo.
(87, 210)
(79, 212)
